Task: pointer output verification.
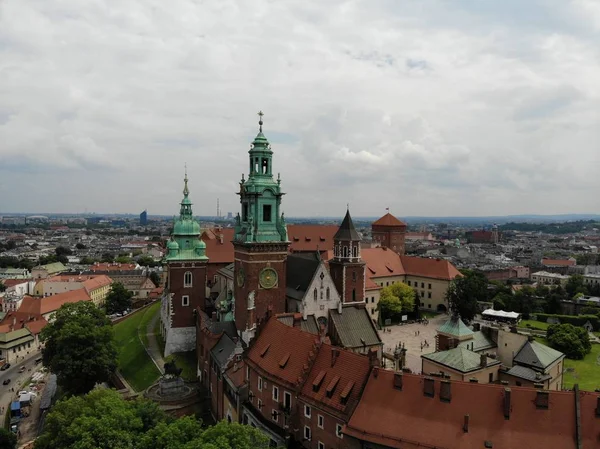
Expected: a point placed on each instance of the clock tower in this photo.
(260, 242)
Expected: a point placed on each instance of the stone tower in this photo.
(260, 242)
(347, 268)
(185, 263)
(390, 232)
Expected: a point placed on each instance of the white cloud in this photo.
(432, 108)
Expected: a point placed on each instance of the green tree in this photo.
(395, 299)
(79, 347)
(118, 299)
(87, 260)
(464, 293)
(230, 436)
(80, 246)
(2, 287)
(63, 251)
(123, 258)
(155, 278)
(146, 261)
(108, 257)
(573, 341)
(575, 285)
(8, 440)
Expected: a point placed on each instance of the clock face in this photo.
(241, 277)
(268, 278)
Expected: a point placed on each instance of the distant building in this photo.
(389, 232)
(144, 218)
(547, 278)
(482, 236)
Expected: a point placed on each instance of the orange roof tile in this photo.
(276, 340)
(408, 419)
(36, 326)
(52, 303)
(237, 373)
(388, 220)
(351, 370)
(429, 268)
(96, 282)
(219, 250)
(12, 282)
(382, 262)
(558, 262)
(113, 266)
(308, 238)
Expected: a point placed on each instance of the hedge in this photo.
(575, 320)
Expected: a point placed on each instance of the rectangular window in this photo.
(338, 431)
(372, 311)
(372, 299)
(307, 411)
(260, 383)
(275, 415)
(422, 294)
(287, 400)
(408, 283)
(429, 286)
(321, 445)
(185, 300)
(422, 284)
(267, 212)
(245, 212)
(320, 421)
(275, 393)
(259, 404)
(429, 295)
(307, 434)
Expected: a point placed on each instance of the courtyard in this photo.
(413, 336)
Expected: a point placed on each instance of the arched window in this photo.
(315, 294)
(345, 253)
(355, 251)
(354, 276)
(328, 293)
(353, 295)
(187, 279)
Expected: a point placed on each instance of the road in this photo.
(16, 380)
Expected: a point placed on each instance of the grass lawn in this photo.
(187, 361)
(134, 363)
(533, 325)
(585, 372)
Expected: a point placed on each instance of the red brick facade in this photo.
(349, 279)
(253, 259)
(390, 232)
(195, 292)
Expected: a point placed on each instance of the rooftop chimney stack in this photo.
(373, 360)
(483, 360)
(507, 403)
(398, 381)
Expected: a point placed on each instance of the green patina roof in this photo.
(55, 267)
(459, 359)
(455, 327)
(479, 342)
(15, 338)
(537, 355)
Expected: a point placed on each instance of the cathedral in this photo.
(260, 268)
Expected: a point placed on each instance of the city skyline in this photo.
(466, 109)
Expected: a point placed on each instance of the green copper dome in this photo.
(186, 227)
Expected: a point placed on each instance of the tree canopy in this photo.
(8, 440)
(575, 285)
(118, 299)
(79, 347)
(573, 341)
(102, 419)
(395, 299)
(464, 293)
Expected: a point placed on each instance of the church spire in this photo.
(186, 191)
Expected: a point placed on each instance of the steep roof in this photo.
(479, 342)
(407, 419)
(382, 262)
(36, 326)
(300, 271)
(308, 238)
(309, 324)
(455, 327)
(388, 220)
(282, 351)
(341, 372)
(354, 327)
(459, 359)
(219, 248)
(429, 268)
(346, 231)
(522, 372)
(96, 282)
(237, 374)
(223, 350)
(537, 355)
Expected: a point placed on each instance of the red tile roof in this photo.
(350, 368)
(36, 326)
(96, 282)
(277, 341)
(40, 306)
(382, 262)
(408, 419)
(113, 266)
(308, 238)
(429, 268)
(219, 250)
(237, 374)
(12, 282)
(558, 262)
(388, 220)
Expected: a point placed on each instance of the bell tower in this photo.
(347, 268)
(260, 241)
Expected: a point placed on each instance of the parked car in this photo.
(5, 367)
(6, 382)
(22, 369)
(38, 360)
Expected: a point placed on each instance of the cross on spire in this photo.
(260, 120)
(186, 191)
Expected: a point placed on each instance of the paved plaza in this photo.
(412, 336)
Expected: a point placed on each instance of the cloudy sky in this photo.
(429, 107)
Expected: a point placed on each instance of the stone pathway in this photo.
(153, 349)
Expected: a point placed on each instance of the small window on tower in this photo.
(354, 276)
(245, 212)
(355, 251)
(266, 212)
(265, 166)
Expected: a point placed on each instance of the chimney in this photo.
(334, 355)
(14, 320)
(445, 392)
(398, 381)
(483, 360)
(340, 307)
(221, 239)
(507, 403)
(373, 360)
(214, 316)
(466, 424)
